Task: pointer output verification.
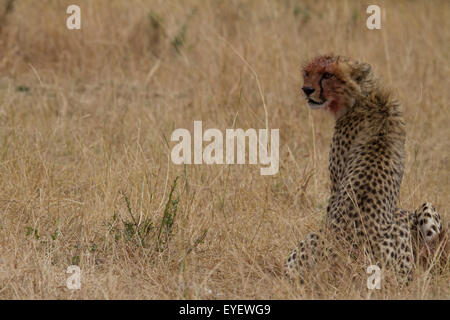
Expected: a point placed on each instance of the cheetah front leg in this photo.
(426, 228)
(401, 253)
(419, 229)
(305, 257)
(424, 223)
(429, 222)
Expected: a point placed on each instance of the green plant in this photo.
(156, 21)
(55, 234)
(141, 232)
(34, 232)
(135, 230)
(303, 13)
(180, 38)
(170, 212)
(75, 260)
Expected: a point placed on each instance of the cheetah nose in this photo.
(308, 90)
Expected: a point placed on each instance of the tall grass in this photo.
(86, 176)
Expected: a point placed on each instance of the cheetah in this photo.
(366, 163)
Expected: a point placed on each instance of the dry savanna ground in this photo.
(86, 118)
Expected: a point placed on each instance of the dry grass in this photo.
(85, 116)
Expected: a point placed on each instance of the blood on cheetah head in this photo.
(334, 82)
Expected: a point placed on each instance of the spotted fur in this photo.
(366, 164)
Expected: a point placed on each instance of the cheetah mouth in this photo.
(317, 105)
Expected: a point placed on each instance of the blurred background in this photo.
(86, 117)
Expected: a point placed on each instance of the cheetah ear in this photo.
(361, 71)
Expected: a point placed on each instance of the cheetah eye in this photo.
(327, 75)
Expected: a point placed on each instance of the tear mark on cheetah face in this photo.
(332, 83)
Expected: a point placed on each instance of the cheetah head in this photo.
(335, 82)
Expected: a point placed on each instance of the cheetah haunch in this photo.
(366, 165)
